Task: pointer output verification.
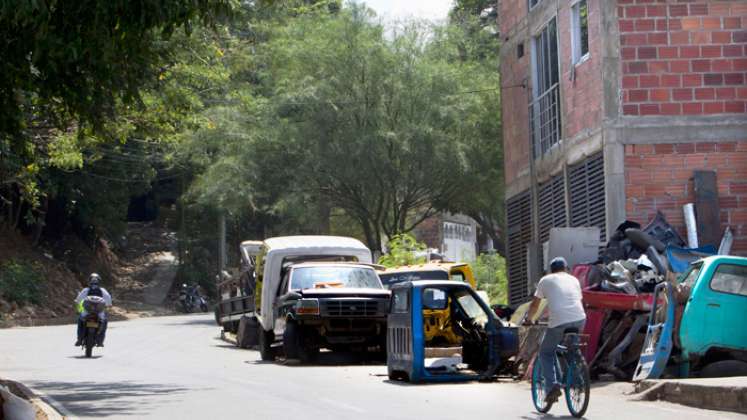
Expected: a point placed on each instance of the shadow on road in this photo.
(547, 416)
(83, 357)
(197, 321)
(103, 399)
(329, 358)
(499, 380)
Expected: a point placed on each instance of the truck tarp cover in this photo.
(281, 248)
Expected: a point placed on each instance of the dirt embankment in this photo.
(139, 276)
(59, 286)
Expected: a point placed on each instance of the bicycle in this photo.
(574, 371)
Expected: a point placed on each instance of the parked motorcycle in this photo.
(93, 305)
(190, 299)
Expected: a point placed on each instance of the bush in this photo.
(21, 282)
(401, 251)
(490, 274)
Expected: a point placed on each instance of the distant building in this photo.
(608, 108)
(455, 236)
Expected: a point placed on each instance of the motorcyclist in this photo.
(94, 289)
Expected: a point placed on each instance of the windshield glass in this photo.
(691, 275)
(472, 308)
(390, 279)
(334, 276)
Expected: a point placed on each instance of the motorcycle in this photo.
(191, 299)
(93, 305)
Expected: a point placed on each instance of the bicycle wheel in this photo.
(538, 389)
(578, 387)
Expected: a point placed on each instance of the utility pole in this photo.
(221, 245)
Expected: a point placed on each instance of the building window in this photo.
(520, 50)
(533, 3)
(580, 31)
(544, 111)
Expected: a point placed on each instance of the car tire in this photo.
(723, 369)
(266, 352)
(294, 344)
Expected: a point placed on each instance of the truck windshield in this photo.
(336, 276)
(688, 279)
(472, 308)
(390, 279)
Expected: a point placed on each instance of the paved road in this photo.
(177, 368)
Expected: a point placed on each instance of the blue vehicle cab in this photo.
(481, 343)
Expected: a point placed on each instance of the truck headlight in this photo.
(307, 307)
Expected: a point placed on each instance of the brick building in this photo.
(455, 236)
(608, 108)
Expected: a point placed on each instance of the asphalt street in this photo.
(178, 368)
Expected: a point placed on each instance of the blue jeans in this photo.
(553, 337)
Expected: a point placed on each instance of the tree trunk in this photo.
(41, 220)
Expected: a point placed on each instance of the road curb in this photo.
(47, 410)
(712, 397)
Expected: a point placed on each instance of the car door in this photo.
(280, 306)
(727, 305)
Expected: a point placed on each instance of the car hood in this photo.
(333, 292)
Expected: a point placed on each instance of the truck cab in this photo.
(698, 330)
(712, 327)
(428, 271)
(436, 320)
(483, 342)
(331, 305)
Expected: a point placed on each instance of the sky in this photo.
(401, 9)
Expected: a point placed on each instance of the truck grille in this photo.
(351, 308)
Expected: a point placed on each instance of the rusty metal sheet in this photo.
(707, 208)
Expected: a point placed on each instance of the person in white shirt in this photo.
(93, 289)
(563, 294)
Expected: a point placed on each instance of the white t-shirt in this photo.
(563, 294)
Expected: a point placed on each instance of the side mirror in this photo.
(293, 296)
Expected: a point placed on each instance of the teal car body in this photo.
(713, 321)
(712, 334)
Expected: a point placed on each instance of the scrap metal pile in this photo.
(618, 291)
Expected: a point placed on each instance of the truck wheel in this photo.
(724, 368)
(294, 344)
(265, 345)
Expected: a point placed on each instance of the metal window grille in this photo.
(544, 110)
(519, 223)
(586, 194)
(544, 126)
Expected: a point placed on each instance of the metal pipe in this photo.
(692, 230)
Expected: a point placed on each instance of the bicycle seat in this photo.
(572, 330)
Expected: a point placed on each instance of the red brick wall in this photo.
(582, 96)
(683, 57)
(658, 177)
(429, 232)
(515, 111)
(510, 13)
